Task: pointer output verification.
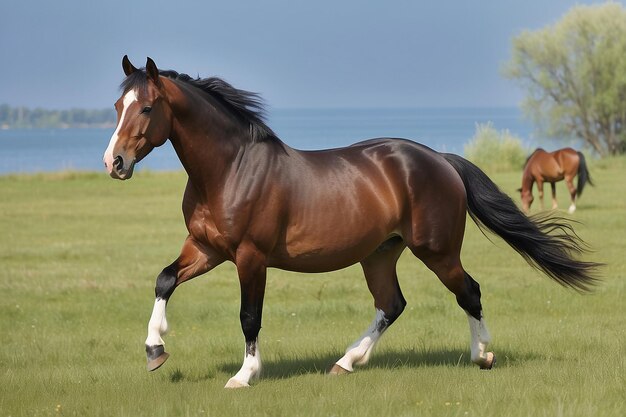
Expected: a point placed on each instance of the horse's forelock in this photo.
(138, 80)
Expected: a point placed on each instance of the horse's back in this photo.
(399, 164)
(379, 158)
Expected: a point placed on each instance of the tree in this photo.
(575, 76)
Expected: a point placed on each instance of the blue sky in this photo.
(67, 53)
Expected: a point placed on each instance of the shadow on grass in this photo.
(395, 359)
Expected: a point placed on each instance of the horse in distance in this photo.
(562, 164)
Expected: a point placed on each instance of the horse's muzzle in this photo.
(121, 169)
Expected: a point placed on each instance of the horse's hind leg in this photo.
(569, 180)
(382, 281)
(480, 337)
(191, 263)
(555, 203)
(467, 291)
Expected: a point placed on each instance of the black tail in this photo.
(546, 243)
(583, 174)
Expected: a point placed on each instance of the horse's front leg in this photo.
(194, 260)
(251, 267)
(540, 191)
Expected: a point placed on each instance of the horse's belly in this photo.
(317, 261)
(323, 253)
(552, 176)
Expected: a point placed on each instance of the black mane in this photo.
(246, 106)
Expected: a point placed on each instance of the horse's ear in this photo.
(127, 66)
(152, 70)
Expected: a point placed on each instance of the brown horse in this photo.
(254, 201)
(542, 166)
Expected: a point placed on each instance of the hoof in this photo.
(233, 383)
(156, 357)
(489, 362)
(338, 370)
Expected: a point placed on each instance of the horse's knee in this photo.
(165, 283)
(469, 298)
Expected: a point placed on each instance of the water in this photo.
(443, 129)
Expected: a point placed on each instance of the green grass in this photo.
(79, 254)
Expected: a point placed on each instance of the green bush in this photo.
(495, 151)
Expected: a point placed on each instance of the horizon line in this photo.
(331, 107)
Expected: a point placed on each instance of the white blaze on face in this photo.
(129, 98)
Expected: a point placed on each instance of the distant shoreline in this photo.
(60, 126)
(38, 118)
(25, 118)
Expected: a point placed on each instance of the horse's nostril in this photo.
(118, 163)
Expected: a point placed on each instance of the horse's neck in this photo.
(205, 147)
(527, 179)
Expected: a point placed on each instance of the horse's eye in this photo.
(146, 110)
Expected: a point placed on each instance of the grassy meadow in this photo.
(79, 257)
